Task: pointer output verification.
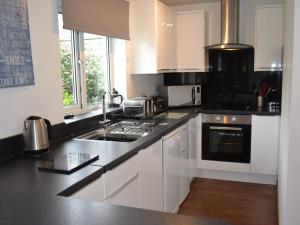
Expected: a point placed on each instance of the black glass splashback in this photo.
(229, 79)
(186, 78)
(230, 71)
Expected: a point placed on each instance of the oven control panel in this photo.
(226, 119)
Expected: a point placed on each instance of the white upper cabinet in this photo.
(268, 37)
(150, 46)
(264, 144)
(191, 40)
(164, 35)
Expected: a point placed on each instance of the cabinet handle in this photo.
(269, 68)
(164, 70)
(191, 69)
(122, 186)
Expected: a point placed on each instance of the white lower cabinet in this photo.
(192, 148)
(94, 191)
(157, 178)
(176, 167)
(184, 181)
(151, 181)
(171, 149)
(127, 194)
(265, 144)
(199, 140)
(184, 162)
(121, 185)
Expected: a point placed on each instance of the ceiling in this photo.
(185, 2)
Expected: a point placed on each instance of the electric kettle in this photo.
(36, 134)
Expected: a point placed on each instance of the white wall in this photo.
(143, 84)
(288, 38)
(118, 66)
(45, 97)
(289, 164)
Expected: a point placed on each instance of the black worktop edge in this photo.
(238, 112)
(80, 184)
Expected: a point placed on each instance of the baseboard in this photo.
(233, 176)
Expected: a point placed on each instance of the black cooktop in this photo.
(68, 163)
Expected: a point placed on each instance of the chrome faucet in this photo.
(105, 121)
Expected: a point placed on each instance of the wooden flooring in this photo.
(235, 202)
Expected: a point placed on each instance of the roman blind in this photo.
(103, 17)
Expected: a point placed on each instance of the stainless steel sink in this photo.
(100, 135)
(123, 131)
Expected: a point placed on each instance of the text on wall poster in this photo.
(16, 67)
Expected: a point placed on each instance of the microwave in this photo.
(185, 95)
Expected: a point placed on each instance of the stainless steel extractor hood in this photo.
(229, 27)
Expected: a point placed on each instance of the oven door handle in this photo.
(226, 128)
(231, 135)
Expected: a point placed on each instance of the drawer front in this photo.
(126, 195)
(91, 192)
(120, 175)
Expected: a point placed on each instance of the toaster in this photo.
(139, 106)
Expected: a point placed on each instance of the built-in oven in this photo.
(226, 138)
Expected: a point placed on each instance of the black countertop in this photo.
(239, 112)
(29, 196)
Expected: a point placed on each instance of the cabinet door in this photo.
(91, 192)
(192, 148)
(268, 37)
(265, 144)
(191, 40)
(199, 140)
(126, 194)
(184, 181)
(171, 148)
(142, 45)
(164, 38)
(121, 186)
(150, 167)
(184, 165)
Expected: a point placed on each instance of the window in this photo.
(85, 68)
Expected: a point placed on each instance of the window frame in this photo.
(79, 74)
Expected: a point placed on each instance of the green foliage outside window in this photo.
(95, 75)
(66, 70)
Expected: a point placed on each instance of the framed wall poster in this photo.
(16, 68)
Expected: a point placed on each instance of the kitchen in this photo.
(273, 152)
